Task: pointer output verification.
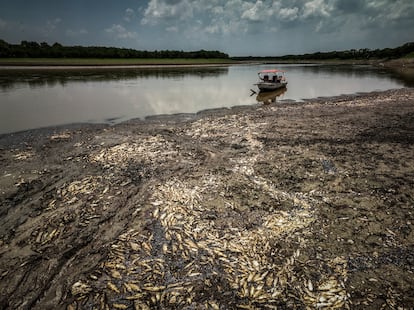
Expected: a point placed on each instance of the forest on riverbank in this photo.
(33, 49)
(406, 50)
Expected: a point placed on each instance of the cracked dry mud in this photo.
(296, 205)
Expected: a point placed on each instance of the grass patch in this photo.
(110, 61)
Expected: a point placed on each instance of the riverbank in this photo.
(101, 62)
(399, 63)
(287, 205)
(143, 62)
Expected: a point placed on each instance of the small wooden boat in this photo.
(271, 80)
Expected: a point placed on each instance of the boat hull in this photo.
(270, 86)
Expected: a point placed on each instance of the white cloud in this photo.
(129, 14)
(158, 10)
(235, 22)
(256, 11)
(217, 10)
(317, 8)
(226, 18)
(383, 14)
(212, 29)
(377, 3)
(289, 14)
(120, 32)
(196, 18)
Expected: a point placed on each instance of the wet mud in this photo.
(279, 206)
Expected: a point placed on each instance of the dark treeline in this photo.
(365, 53)
(31, 49)
(44, 50)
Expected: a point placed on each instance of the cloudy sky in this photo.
(237, 27)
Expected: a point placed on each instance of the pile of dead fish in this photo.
(186, 254)
(150, 149)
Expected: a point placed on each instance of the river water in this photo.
(34, 98)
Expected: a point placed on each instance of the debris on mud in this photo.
(305, 205)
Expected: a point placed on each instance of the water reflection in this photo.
(39, 98)
(270, 96)
(405, 77)
(14, 78)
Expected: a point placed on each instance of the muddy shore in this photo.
(288, 206)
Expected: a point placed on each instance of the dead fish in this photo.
(132, 287)
(80, 288)
(113, 287)
(116, 274)
(134, 246)
(310, 285)
(136, 296)
(164, 248)
(154, 288)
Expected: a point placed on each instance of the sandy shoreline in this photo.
(280, 205)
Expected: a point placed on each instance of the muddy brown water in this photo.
(287, 206)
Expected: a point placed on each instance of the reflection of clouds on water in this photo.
(37, 99)
(192, 96)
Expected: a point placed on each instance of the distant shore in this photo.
(110, 62)
(34, 63)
